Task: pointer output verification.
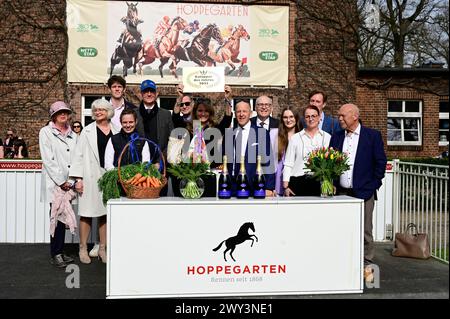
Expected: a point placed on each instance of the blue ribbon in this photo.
(133, 149)
(161, 163)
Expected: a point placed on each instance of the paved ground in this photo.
(25, 272)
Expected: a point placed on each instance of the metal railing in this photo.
(421, 197)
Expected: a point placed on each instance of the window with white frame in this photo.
(443, 123)
(404, 123)
(86, 108)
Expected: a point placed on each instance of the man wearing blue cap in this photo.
(153, 122)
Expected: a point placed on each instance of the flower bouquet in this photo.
(189, 172)
(192, 167)
(327, 164)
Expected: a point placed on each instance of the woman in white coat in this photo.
(88, 167)
(57, 147)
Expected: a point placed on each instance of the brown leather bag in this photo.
(413, 245)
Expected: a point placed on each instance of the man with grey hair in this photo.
(263, 118)
(249, 141)
(367, 160)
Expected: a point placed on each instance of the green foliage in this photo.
(128, 171)
(189, 170)
(109, 182)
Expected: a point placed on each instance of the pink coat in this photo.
(62, 210)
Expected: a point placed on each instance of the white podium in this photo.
(280, 246)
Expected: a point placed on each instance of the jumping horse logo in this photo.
(241, 236)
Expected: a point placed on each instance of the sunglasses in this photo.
(185, 104)
(76, 126)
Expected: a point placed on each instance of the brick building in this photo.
(409, 106)
(322, 55)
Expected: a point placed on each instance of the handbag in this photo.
(175, 150)
(412, 244)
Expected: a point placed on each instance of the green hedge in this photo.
(424, 160)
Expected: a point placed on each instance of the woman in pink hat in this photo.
(57, 146)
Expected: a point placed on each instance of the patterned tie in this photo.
(262, 124)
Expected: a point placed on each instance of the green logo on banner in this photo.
(268, 56)
(268, 33)
(87, 27)
(87, 52)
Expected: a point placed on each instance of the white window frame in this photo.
(404, 115)
(443, 116)
(88, 112)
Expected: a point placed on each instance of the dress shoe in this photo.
(58, 261)
(94, 251)
(67, 259)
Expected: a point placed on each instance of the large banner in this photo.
(141, 40)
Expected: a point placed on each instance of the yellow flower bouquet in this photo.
(327, 164)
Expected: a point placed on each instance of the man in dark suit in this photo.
(249, 141)
(153, 122)
(327, 123)
(263, 110)
(365, 149)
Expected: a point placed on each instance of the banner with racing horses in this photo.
(141, 40)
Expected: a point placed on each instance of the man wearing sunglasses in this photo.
(8, 147)
(182, 110)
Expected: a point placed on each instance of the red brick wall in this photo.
(373, 106)
(32, 65)
(34, 44)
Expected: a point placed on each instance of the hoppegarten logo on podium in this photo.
(241, 236)
(230, 245)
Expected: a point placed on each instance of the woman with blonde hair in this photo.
(87, 168)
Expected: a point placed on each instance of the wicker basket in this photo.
(138, 192)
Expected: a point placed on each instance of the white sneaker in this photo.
(94, 251)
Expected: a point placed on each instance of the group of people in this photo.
(14, 146)
(293, 138)
(72, 161)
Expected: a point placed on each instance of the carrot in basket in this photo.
(150, 182)
(142, 179)
(155, 182)
(137, 176)
(134, 180)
